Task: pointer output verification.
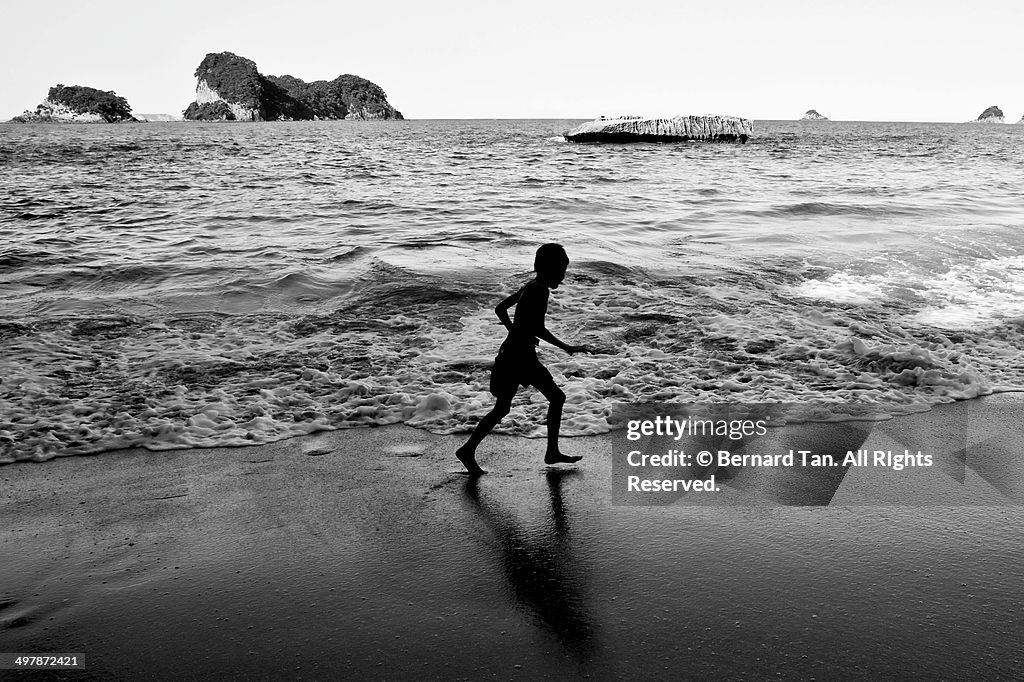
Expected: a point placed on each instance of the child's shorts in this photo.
(514, 369)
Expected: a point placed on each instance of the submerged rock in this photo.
(675, 129)
(991, 115)
(813, 115)
(230, 88)
(79, 104)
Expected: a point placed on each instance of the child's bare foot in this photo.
(557, 457)
(468, 458)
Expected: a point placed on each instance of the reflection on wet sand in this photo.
(544, 579)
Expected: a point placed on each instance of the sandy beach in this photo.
(367, 553)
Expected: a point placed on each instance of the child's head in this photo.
(551, 262)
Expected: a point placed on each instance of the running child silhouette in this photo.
(517, 361)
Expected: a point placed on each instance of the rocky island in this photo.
(675, 129)
(813, 115)
(79, 104)
(230, 88)
(991, 115)
(157, 118)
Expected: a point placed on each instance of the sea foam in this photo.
(76, 386)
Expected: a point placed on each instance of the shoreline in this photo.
(1012, 394)
(367, 551)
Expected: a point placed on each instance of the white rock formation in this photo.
(678, 128)
(153, 118)
(59, 113)
(207, 95)
(813, 115)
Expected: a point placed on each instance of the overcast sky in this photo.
(890, 60)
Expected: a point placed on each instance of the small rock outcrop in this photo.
(79, 104)
(813, 115)
(991, 115)
(154, 118)
(230, 88)
(675, 129)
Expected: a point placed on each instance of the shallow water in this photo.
(174, 285)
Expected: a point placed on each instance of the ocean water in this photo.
(175, 285)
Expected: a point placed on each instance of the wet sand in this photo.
(368, 553)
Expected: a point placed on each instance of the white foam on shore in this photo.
(976, 294)
(964, 296)
(842, 287)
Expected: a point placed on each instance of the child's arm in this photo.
(543, 333)
(532, 306)
(501, 310)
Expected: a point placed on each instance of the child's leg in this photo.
(467, 453)
(556, 398)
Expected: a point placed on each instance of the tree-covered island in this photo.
(230, 88)
(79, 104)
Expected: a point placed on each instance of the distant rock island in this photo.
(230, 88)
(991, 115)
(79, 104)
(675, 129)
(813, 115)
(157, 117)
